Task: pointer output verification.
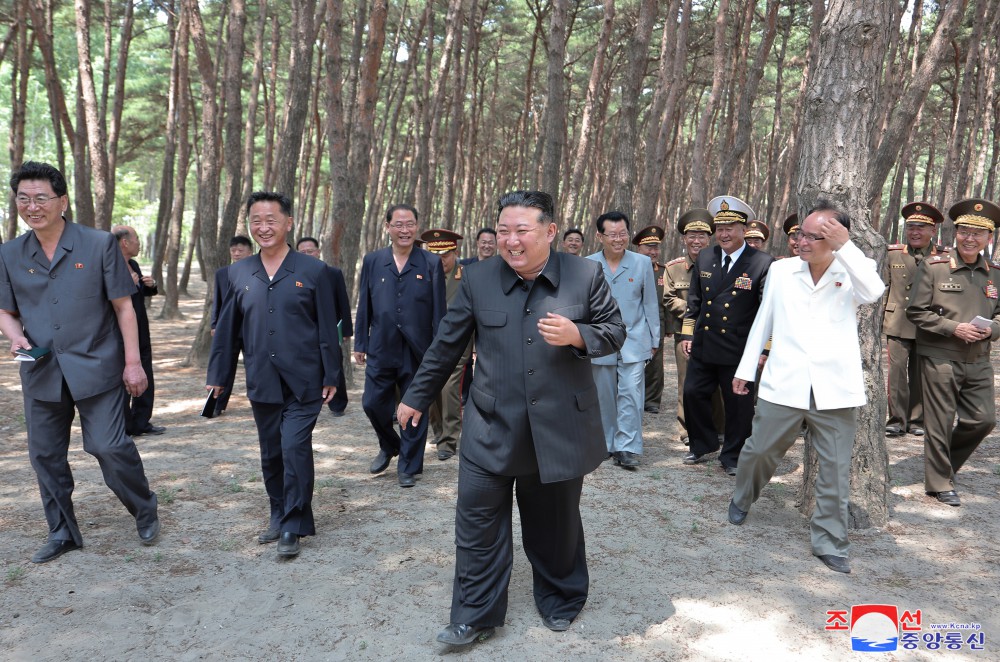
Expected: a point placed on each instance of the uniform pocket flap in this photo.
(493, 317)
(486, 403)
(586, 399)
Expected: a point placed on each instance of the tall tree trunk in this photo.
(699, 165)
(305, 23)
(585, 132)
(733, 152)
(171, 308)
(250, 128)
(626, 165)
(555, 113)
(97, 139)
(174, 96)
(842, 109)
(118, 100)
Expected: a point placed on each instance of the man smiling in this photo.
(533, 422)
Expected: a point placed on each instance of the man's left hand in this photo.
(835, 234)
(148, 281)
(328, 393)
(135, 381)
(560, 331)
(740, 387)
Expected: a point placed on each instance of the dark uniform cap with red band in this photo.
(696, 220)
(440, 241)
(921, 212)
(976, 213)
(650, 235)
(791, 224)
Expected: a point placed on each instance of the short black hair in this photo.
(393, 209)
(240, 240)
(270, 196)
(305, 239)
(35, 171)
(120, 233)
(614, 217)
(573, 231)
(825, 205)
(539, 200)
(486, 231)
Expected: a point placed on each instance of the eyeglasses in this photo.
(409, 225)
(795, 236)
(615, 236)
(972, 234)
(39, 200)
(805, 236)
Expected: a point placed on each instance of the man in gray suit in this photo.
(66, 289)
(535, 421)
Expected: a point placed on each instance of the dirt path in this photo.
(670, 578)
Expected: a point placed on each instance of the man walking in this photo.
(66, 297)
(813, 373)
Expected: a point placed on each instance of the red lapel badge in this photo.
(420, 276)
(298, 284)
(79, 265)
(837, 283)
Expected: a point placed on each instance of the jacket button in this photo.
(734, 292)
(708, 314)
(706, 289)
(725, 305)
(272, 354)
(706, 328)
(709, 303)
(531, 372)
(530, 341)
(271, 332)
(725, 319)
(399, 310)
(55, 326)
(533, 401)
(52, 275)
(528, 311)
(723, 331)
(270, 310)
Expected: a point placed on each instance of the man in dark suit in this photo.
(534, 420)
(279, 305)
(310, 246)
(66, 288)
(727, 284)
(239, 248)
(139, 409)
(401, 300)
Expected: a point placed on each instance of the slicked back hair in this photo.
(539, 200)
(614, 217)
(825, 205)
(410, 208)
(35, 171)
(240, 240)
(270, 196)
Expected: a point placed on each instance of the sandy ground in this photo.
(670, 578)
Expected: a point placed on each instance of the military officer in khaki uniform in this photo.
(446, 410)
(647, 242)
(792, 230)
(956, 310)
(696, 227)
(906, 413)
(757, 234)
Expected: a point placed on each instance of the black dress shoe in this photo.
(893, 431)
(380, 463)
(556, 624)
(338, 414)
(694, 458)
(53, 549)
(457, 634)
(627, 460)
(147, 534)
(736, 516)
(916, 431)
(288, 544)
(407, 480)
(271, 535)
(730, 471)
(651, 410)
(154, 429)
(835, 563)
(445, 454)
(950, 497)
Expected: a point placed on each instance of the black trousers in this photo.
(139, 410)
(286, 460)
(552, 534)
(103, 424)
(700, 384)
(379, 402)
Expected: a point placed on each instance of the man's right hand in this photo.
(686, 347)
(19, 343)
(216, 390)
(359, 358)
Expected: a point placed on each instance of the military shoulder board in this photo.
(676, 260)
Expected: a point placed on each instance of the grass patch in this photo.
(227, 544)
(16, 574)
(234, 487)
(166, 495)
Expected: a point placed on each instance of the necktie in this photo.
(725, 265)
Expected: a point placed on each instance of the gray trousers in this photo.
(832, 432)
(102, 419)
(620, 390)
